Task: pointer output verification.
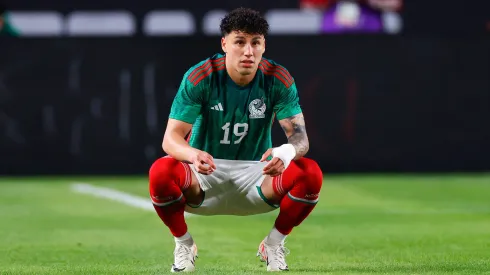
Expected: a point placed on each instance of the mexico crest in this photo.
(257, 108)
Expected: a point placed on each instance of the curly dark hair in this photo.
(246, 20)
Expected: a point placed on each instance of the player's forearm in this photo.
(300, 142)
(295, 130)
(177, 147)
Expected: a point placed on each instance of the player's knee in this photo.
(312, 174)
(163, 170)
(163, 178)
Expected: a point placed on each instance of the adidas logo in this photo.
(217, 107)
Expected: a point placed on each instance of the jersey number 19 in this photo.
(239, 129)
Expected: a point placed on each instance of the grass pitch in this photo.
(362, 225)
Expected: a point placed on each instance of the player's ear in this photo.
(223, 44)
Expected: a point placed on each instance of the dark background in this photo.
(372, 103)
(451, 17)
(415, 102)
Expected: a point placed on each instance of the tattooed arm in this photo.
(297, 146)
(295, 130)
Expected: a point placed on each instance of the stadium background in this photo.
(85, 91)
(88, 87)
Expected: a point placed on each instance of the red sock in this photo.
(168, 179)
(300, 186)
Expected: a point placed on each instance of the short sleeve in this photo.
(287, 102)
(187, 103)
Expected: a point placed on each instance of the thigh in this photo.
(211, 187)
(206, 182)
(250, 181)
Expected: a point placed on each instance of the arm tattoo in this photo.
(295, 130)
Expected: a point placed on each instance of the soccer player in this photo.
(218, 141)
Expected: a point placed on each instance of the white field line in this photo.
(115, 195)
(145, 204)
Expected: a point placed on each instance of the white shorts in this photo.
(232, 189)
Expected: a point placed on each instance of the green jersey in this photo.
(231, 121)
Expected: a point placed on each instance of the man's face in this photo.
(243, 51)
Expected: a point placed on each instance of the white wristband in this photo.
(285, 152)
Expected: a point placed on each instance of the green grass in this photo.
(362, 225)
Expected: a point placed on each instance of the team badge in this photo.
(257, 108)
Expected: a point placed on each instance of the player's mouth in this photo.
(247, 63)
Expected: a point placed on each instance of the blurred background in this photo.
(386, 85)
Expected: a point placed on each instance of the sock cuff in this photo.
(188, 176)
(276, 236)
(277, 186)
(183, 238)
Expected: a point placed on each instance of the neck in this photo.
(239, 79)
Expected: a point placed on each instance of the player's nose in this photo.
(248, 51)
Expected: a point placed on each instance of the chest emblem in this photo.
(257, 108)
